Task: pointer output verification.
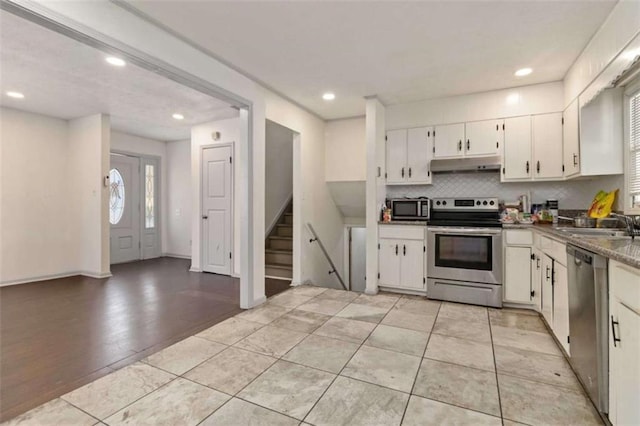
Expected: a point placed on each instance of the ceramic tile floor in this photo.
(328, 357)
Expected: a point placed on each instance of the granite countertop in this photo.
(621, 249)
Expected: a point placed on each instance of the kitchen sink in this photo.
(593, 232)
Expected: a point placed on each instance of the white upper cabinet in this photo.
(516, 160)
(396, 156)
(483, 138)
(409, 155)
(449, 141)
(547, 146)
(419, 153)
(571, 140)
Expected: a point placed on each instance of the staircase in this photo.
(278, 257)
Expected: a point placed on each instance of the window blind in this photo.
(634, 154)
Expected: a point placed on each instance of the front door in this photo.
(124, 208)
(217, 189)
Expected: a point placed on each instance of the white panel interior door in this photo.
(124, 205)
(217, 187)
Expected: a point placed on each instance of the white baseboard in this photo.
(177, 256)
(195, 270)
(54, 277)
(258, 301)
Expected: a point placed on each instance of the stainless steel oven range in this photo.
(464, 251)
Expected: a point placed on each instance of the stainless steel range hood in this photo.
(467, 165)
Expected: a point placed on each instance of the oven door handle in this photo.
(468, 231)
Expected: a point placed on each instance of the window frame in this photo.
(632, 89)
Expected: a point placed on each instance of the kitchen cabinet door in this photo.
(517, 271)
(448, 141)
(561, 305)
(624, 365)
(516, 156)
(419, 153)
(483, 138)
(536, 279)
(547, 146)
(389, 263)
(547, 289)
(412, 261)
(571, 140)
(396, 156)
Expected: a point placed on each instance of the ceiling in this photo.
(64, 78)
(401, 51)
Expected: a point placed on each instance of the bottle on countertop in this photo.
(552, 205)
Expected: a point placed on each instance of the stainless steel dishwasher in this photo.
(588, 327)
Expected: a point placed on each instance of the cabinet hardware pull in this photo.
(468, 145)
(537, 262)
(460, 145)
(613, 331)
(404, 250)
(396, 249)
(205, 217)
(538, 167)
(575, 159)
(402, 173)
(409, 171)
(527, 167)
(548, 270)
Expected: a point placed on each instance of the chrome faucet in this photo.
(632, 224)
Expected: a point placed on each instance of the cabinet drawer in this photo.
(554, 249)
(401, 232)
(624, 284)
(519, 238)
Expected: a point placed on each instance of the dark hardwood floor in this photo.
(60, 334)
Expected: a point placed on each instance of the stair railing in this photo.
(324, 251)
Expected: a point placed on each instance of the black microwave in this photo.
(410, 209)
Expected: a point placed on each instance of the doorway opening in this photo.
(278, 203)
(355, 258)
(134, 216)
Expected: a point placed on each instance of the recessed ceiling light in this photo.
(523, 71)
(16, 95)
(328, 96)
(178, 116)
(115, 61)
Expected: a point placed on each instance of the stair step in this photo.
(274, 256)
(284, 230)
(280, 243)
(288, 218)
(278, 270)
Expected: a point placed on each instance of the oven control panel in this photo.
(465, 204)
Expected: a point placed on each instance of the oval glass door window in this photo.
(116, 196)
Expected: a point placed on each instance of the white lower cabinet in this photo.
(561, 305)
(547, 288)
(624, 344)
(402, 257)
(517, 270)
(536, 279)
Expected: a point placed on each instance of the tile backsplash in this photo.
(572, 194)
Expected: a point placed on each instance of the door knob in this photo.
(205, 217)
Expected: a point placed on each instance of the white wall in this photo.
(345, 150)
(89, 147)
(201, 136)
(133, 34)
(130, 144)
(37, 236)
(278, 172)
(620, 27)
(178, 218)
(525, 100)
